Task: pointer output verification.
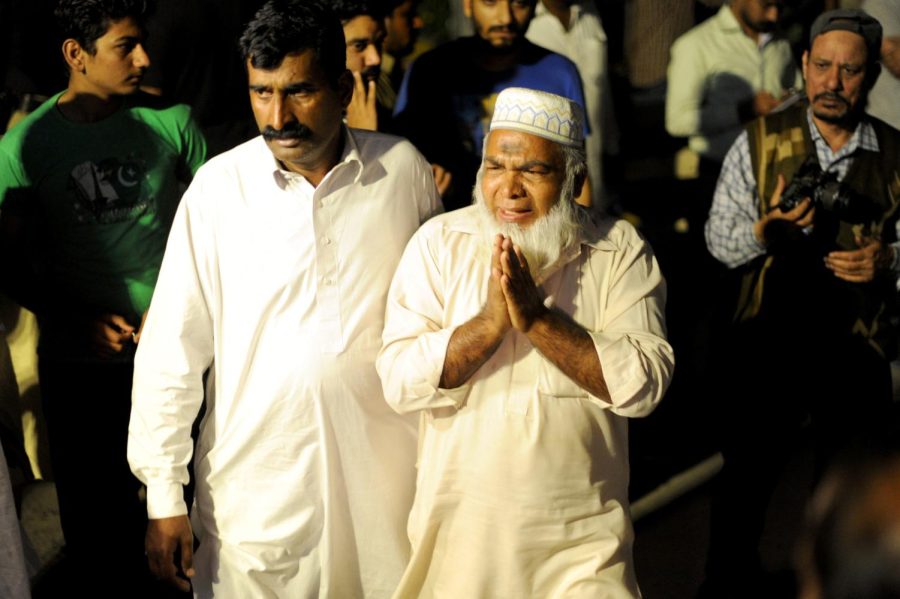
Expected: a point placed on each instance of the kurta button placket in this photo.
(328, 300)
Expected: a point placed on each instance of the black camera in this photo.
(826, 192)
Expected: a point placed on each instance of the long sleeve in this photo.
(636, 359)
(729, 230)
(175, 350)
(411, 360)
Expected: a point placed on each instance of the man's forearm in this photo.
(568, 346)
(470, 346)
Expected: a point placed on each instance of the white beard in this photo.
(543, 241)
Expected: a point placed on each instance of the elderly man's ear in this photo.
(582, 191)
(579, 183)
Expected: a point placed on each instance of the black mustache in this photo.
(371, 73)
(503, 29)
(830, 96)
(289, 131)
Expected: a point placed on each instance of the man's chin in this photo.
(286, 155)
(502, 44)
(835, 116)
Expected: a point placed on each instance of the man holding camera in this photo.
(806, 211)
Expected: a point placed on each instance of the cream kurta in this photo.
(522, 487)
(304, 474)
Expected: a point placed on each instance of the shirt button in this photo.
(326, 241)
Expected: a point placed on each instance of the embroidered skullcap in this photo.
(540, 113)
(853, 20)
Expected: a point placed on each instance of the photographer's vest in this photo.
(779, 144)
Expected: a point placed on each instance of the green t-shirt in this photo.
(98, 199)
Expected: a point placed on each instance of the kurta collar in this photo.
(728, 23)
(350, 157)
(574, 14)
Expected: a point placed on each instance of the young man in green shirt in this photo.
(89, 183)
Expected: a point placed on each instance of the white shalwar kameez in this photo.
(304, 475)
(522, 487)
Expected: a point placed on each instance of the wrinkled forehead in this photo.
(514, 145)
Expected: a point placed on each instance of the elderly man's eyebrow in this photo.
(528, 165)
(536, 163)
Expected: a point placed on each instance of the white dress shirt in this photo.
(304, 476)
(522, 474)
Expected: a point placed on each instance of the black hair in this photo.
(86, 21)
(349, 9)
(283, 27)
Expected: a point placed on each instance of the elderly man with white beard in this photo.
(525, 334)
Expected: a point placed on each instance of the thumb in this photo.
(187, 554)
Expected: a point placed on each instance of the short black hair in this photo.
(86, 21)
(350, 9)
(283, 27)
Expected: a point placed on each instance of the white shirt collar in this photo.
(350, 156)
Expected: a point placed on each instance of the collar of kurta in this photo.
(574, 13)
(728, 23)
(350, 158)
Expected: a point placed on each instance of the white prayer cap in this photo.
(540, 113)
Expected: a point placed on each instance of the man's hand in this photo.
(495, 309)
(361, 113)
(861, 266)
(164, 537)
(442, 178)
(474, 342)
(523, 301)
(109, 334)
(764, 103)
(801, 216)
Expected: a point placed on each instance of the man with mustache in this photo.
(447, 96)
(723, 73)
(269, 311)
(814, 326)
(89, 185)
(524, 334)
